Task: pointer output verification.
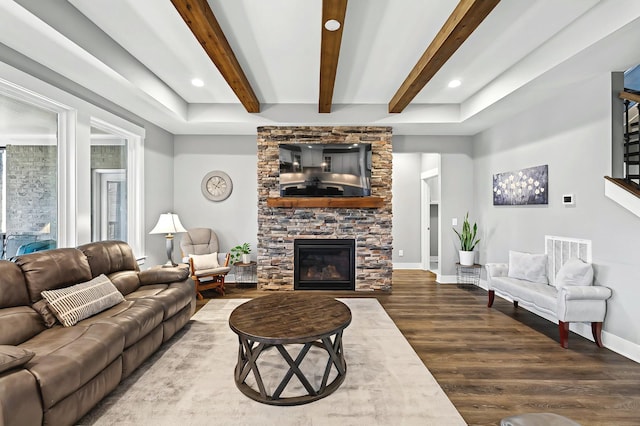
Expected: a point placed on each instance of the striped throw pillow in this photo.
(75, 303)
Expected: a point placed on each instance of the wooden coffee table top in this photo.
(291, 317)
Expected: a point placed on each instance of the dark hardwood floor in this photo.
(497, 362)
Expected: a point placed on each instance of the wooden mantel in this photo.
(331, 202)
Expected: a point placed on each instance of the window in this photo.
(109, 212)
(28, 138)
(66, 127)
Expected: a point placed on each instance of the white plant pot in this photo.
(246, 258)
(467, 258)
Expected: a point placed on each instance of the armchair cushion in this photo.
(205, 261)
(528, 267)
(574, 272)
(221, 270)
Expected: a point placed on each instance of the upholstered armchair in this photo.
(208, 267)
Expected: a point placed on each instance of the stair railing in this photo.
(631, 100)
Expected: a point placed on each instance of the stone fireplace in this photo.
(279, 226)
(324, 264)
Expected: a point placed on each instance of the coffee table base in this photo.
(249, 351)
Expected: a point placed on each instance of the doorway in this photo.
(430, 219)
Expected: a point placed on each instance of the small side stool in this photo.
(537, 419)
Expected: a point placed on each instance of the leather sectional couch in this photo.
(67, 370)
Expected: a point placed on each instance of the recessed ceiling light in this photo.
(454, 83)
(332, 25)
(197, 82)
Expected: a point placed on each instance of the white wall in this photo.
(572, 134)
(235, 219)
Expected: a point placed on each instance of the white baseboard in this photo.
(416, 265)
(447, 279)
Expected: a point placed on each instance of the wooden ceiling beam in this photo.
(203, 24)
(330, 51)
(463, 21)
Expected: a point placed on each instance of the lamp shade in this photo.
(168, 223)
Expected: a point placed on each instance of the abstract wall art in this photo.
(521, 187)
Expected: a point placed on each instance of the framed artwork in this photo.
(521, 187)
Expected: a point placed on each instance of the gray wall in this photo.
(158, 191)
(235, 219)
(406, 207)
(456, 187)
(572, 134)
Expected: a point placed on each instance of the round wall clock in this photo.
(216, 186)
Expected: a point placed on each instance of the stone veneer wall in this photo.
(278, 227)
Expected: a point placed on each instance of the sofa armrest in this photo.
(496, 270)
(163, 275)
(582, 303)
(584, 292)
(13, 357)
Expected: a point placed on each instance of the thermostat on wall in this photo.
(568, 200)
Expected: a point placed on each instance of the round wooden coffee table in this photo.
(296, 318)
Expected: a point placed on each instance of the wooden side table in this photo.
(468, 274)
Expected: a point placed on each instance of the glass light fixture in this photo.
(332, 25)
(197, 82)
(454, 83)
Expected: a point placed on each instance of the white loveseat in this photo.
(558, 283)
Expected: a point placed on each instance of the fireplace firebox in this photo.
(324, 264)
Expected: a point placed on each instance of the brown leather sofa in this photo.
(75, 367)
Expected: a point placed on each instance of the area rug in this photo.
(189, 381)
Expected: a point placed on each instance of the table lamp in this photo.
(168, 223)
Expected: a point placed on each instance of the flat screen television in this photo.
(325, 170)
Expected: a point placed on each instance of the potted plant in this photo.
(468, 241)
(241, 252)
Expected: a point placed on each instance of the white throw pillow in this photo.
(529, 267)
(205, 261)
(80, 301)
(574, 272)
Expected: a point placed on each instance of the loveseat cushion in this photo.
(13, 357)
(68, 357)
(527, 266)
(125, 281)
(13, 289)
(106, 257)
(172, 297)
(542, 296)
(75, 303)
(19, 324)
(574, 272)
(136, 318)
(52, 269)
